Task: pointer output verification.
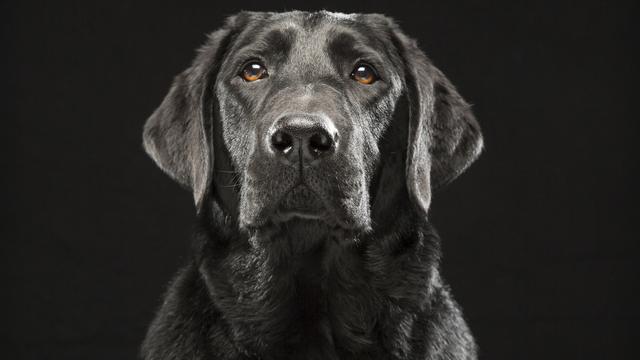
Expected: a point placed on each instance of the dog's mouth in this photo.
(301, 202)
(293, 201)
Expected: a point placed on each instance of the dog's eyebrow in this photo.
(345, 45)
(276, 42)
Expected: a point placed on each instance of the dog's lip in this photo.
(277, 214)
(307, 205)
(290, 214)
(321, 211)
(281, 217)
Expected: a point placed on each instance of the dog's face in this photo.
(299, 108)
(303, 104)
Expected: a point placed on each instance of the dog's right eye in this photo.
(364, 74)
(253, 71)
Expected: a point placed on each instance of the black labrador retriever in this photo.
(312, 142)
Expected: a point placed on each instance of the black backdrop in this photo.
(539, 235)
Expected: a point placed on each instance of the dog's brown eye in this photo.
(364, 74)
(254, 71)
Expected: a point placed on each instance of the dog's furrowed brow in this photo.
(272, 43)
(347, 46)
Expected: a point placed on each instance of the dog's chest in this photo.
(337, 308)
(324, 305)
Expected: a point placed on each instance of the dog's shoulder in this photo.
(187, 325)
(448, 336)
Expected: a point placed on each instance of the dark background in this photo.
(540, 237)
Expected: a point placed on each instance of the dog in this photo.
(312, 143)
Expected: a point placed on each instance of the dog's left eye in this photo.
(364, 74)
(254, 71)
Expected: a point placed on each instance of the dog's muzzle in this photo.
(302, 141)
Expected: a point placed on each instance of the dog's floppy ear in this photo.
(444, 136)
(177, 135)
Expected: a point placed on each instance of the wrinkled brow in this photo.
(343, 45)
(272, 43)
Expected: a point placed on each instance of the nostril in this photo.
(281, 141)
(320, 143)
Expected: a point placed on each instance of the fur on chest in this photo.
(328, 301)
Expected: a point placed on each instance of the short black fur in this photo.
(359, 283)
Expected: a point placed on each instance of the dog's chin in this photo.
(301, 222)
(301, 205)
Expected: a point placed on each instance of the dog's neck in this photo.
(286, 286)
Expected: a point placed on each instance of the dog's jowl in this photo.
(311, 143)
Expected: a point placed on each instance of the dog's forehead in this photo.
(305, 37)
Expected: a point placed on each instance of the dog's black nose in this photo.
(303, 138)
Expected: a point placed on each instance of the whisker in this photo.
(229, 186)
(226, 171)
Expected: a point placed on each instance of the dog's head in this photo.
(313, 116)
